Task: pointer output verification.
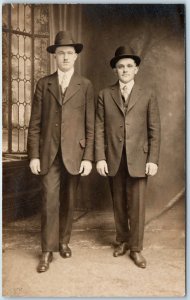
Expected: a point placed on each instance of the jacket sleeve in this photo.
(100, 130)
(34, 130)
(89, 123)
(154, 130)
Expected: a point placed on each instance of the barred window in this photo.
(25, 38)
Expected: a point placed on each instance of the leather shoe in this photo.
(65, 251)
(45, 259)
(138, 259)
(121, 249)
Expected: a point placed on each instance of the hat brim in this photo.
(114, 60)
(52, 48)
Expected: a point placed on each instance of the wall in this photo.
(156, 32)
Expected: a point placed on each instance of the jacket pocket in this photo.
(82, 143)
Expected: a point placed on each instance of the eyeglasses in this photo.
(69, 53)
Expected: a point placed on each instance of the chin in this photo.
(124, 80)
(65, 69)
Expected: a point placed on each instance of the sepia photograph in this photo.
(93, 150)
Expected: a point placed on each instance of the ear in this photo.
(115, 71)
(136, 70)
(76, 55)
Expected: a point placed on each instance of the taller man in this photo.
(127, 144)
(60, 144)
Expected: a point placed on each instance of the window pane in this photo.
(21, 115)
(41, 67)
(21, 92)
(41, 17)
(28, 47)
(15, 97)
(5, 140)
(15, 67)
(21, 17)
(5, 90)
(15, 16)
(21, 68)
(28, 92)
(15, 115)
(21, 140)
(27, 114)
(25, 140)
(21, 45)
(15, 140)
(5, 15)
(28, 20)
(15, 44)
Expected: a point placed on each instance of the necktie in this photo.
(125, 93)
(64, 83)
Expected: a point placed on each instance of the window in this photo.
(25, 38)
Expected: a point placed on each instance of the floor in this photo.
(92, 271)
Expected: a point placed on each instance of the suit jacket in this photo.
(137, 130)
(69, 124)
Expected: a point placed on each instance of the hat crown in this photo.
(64, 37)
(124, 50)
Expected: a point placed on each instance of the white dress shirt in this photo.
(128, 86)
(64, 78)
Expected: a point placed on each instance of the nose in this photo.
(65, 56)
(125, 69)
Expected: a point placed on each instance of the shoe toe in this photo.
(65, 251)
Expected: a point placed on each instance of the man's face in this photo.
(65, 57)
(126, 69)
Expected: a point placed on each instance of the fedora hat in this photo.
(124, 52)
(64, 38)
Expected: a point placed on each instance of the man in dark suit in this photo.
(127, 142)
(61, 144)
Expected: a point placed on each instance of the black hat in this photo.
(124, 52)
(64, 38)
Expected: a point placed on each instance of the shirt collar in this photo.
(129, 85)
(68, 74)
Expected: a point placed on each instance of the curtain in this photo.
(65, 17)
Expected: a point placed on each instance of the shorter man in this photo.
(127, 144)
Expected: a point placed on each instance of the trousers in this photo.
(128, 195)
(59, 190)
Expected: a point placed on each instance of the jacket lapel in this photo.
(53, 87)
(134, 97)
(73, 87)
(116, 95)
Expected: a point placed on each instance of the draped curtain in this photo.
(65, 17)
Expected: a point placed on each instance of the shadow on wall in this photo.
(156, 32)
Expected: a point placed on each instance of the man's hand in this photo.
(151, 169)
(85, 167)
(102, 167)
(35, 166)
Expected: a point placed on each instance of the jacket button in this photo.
(56, 124)
(120, 140)
(121, 125)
